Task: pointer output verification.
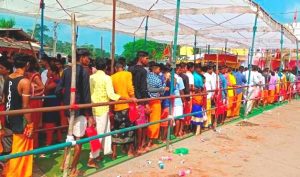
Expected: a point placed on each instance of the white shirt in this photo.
(44, 76)
(208, 84)
(191, 77)
(260, 78)
(254, 78)
(214, 81)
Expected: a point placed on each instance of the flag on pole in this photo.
(167, 51)
(295, 16)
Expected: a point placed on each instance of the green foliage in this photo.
(7, 23)
(96, 52)
(155, 49)
(37, 32)
(65, 47)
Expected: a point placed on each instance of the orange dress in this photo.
(38, 103)
(21, 166)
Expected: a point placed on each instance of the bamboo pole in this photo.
(174, 52)
(195, 47)
(251, 57)
(113, 37)
(226, 41)
(55, 38)
(33, 52)
(73, 94)
(133, 48)
(146, 31)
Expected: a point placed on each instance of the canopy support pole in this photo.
(281, 49)
(42, 6)
(146, 31)
(173, 63)
(113, 38)
(250, 60)
(195, 47)
(72, 96)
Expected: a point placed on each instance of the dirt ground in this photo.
(267, 146)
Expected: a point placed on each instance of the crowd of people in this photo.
(217, 94)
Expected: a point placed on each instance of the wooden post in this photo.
(113, 38)
(54, 38)
(195, 47)
(72, 96)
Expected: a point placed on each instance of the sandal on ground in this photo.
(76, 173)
(92, 164)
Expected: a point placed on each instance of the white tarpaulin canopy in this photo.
(212, 21)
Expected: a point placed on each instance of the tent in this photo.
(213, 22)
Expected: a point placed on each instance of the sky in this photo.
(282, 11)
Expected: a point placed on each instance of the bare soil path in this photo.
(267, 145)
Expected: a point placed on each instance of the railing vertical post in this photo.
(72, 96)
(174, 52)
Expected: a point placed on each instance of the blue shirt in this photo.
(198, 80)
(178, 87)
(166, 103)
(154, 81)
(240, 81)
(223, 85)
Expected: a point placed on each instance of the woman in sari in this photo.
(37, 89)
(51, 119)
(272, 88)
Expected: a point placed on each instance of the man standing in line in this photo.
(210, 84)
(178, 102)
(83, 96)
(5, 70)
(102, 90)
(45, 62)
(254, 80)
(267, 76)
(189, 73)
(122, 83)
(186, 91)
(139, 79)
(17, 96)
(240, 81)
(197, 101)
(231, 82)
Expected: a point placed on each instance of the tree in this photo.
(155, 49)
(62, 46)
(37, 32)
(7, 23)
(96, 52)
